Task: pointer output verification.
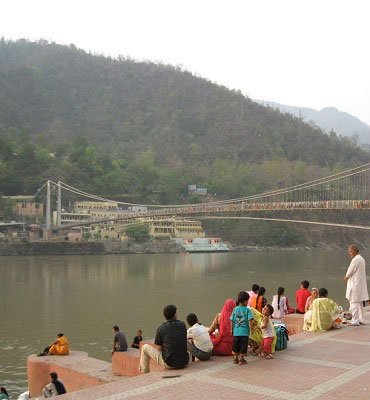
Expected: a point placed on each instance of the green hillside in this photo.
(119, 126)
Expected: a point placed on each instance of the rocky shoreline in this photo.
(23, 248)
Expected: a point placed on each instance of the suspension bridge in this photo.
(344, 191)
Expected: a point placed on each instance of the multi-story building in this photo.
(86, 206)
(175, 228)
(29, 209)
(102, 216)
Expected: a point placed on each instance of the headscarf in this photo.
(224, 330)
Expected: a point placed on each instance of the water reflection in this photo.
(84, 296)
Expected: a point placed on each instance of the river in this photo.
(84, 296)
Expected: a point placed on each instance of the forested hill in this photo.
(125, 112)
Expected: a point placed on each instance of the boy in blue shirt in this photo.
(241, 325)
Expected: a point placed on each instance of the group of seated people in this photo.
(241, 324)
(320, 312)
(235, 329)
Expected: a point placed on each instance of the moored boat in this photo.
(204, 245)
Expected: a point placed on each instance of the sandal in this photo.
(235, 361)
(242, 361)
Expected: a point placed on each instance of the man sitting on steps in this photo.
(171, 344)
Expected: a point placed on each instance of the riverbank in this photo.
(24, 248)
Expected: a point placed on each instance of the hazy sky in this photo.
(312, 53)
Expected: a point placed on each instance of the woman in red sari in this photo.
(223, 339)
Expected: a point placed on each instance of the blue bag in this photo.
(282, 335)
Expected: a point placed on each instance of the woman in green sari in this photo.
(322, 314)
(255, 336)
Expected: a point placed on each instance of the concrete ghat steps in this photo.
(78, 371)
(327, 365)
(127, 363)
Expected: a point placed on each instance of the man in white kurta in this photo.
(356, 285)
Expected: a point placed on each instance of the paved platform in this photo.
(79, 371)
(328, 365)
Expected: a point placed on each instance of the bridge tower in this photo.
(59, 204)
(48, 208)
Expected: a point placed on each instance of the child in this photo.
(267, 329)
(253, 293)
(199, 343)
(137, 339)
(241, 325)
(301, 296)
(279, 304)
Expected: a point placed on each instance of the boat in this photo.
(204, 245)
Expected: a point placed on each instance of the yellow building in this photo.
(82, 206)
(175, 228)
(158, 228)
(104, 231)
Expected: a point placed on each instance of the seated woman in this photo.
(259, 301)
(279, 304)
(220, 330)
(256, 337)
(309, 301)
(322, 314)
(60, 347)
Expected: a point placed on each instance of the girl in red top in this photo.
(301, 296)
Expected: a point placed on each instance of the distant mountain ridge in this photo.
(329, 118)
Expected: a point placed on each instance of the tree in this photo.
(138, 233)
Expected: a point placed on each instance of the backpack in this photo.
(282, 337)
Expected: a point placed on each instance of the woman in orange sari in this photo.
(222, 339)
(260, 301)
(59, 348)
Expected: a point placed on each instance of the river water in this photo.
(84, 296)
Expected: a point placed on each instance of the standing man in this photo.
(356, 292)
(119, 340)
(171, 344)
